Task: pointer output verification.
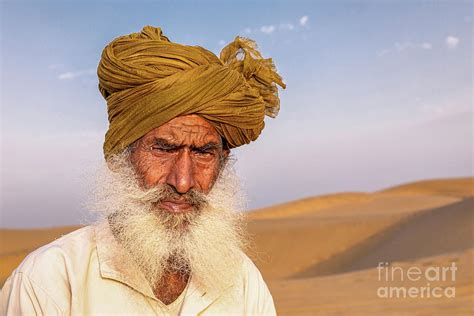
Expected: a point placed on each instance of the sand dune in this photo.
(285, 246)
(319, 255)
(459, 187)
(321, 261)
(434, 232)
(308, 205)
(355, 293)
(441, 188)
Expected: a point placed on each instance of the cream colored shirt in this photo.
(79, 275)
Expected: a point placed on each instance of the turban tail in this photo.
(148, 80)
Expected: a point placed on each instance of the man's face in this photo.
(173, 204)
(185, 154)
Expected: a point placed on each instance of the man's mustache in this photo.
(166, 192)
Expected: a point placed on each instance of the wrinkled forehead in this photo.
(188, 130)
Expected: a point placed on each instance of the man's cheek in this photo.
(153, 175)
(150, 170)
(206, 178)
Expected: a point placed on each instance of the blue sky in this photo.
(379, 93)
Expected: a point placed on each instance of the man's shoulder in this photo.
(43, 279)
(59, 252)
(248, 262)
(258, 297)
(251, 272)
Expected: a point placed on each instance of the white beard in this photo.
(205, 243)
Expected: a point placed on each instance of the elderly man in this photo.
(170, 236)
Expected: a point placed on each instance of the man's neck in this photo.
(171, 285)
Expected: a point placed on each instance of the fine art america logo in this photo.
(414, 277)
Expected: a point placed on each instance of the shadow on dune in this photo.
(428, 233)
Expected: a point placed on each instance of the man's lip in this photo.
(174, 206)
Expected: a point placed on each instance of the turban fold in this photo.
(147, 80)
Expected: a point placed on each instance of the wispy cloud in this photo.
(286, 26)
(267, 29)
(403, 46)
(304, 20)
(426, 45)
(279, 27)
(70, 75)
(452, 42)
(383, 52)
(408, 45)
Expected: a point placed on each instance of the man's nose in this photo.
(181, 176)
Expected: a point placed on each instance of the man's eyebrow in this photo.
(157, 141)
(163, 143)
(206, 147)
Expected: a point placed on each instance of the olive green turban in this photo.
(148, 80)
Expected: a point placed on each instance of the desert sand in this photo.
(350, 253)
